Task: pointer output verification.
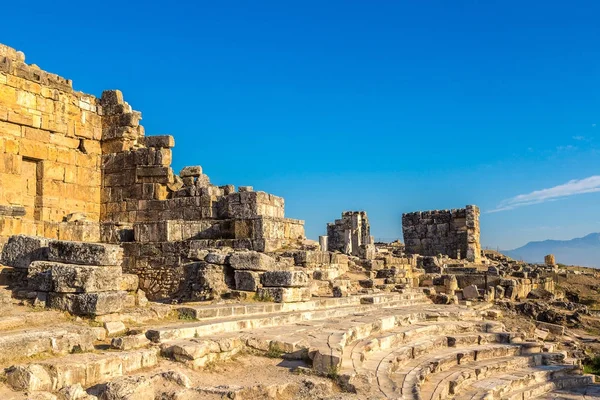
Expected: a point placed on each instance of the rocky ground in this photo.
(387, 346)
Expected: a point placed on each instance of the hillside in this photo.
(584, 251)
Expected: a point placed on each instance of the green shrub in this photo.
(592, 366)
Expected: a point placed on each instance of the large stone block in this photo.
(70, 278)
(248, 281)
(130, 388)
(84, 253)
(39, 277)
(285, 295)
(29, 377)
(470, 292)
(129, 282)
(251, 260)
(285, 278)
(21, 250)
(160, 141)
(193, 171)
(312, 257)
(88, 303)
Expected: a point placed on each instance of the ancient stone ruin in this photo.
(121, 279)
(351, 235)
(454, 233)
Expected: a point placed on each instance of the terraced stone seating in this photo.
(396, 346)
(214, 336)
(465, 359)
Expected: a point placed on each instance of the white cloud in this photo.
(579, 137)
(571, 188)
(566, 148)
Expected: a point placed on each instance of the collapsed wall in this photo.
(351, 235)
(78, 277)
(454, 233)
(77, 167)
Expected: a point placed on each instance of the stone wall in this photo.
(351, 235)
(75, 167)
(454, 233)
(49, 152)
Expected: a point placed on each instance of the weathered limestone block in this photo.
(21, 250)
(130, 342)
(160, 141)
(340, 291)
(29, 377)
(137, 387)
(251, 260)
(212, 280)
(88, 303)
(470, 292)
(140, 298)
(191, 171)
(306, 257)
(70, 278)
(129, 282)
(248, 281)
(499, 292)
(549, 260)
(114, 328)
(285, 279)
(216, 258)
(75, 392)
(552, 328)
(84, 253)
(285, 295)
(39, 277)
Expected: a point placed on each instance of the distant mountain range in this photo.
(583, 251)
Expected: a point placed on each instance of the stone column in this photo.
(323, 242)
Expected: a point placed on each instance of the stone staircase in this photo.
(392, 345)
(456, 356)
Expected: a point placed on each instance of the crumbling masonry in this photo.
(454, 233)
(351, 235)
(75, 167)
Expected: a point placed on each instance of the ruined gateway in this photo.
(121, 279)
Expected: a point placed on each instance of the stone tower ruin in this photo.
(454, 233)
(351, 235)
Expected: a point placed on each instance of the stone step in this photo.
(214, 326)
(327, 340)
(454, 333)
(167, 382)
(30, 318)
(577, 393)
(411, 375)
(197, 353)
(17, 344)
(534, 391)
(452, 381)
(504, 385)
(84, 369)
(203, 311)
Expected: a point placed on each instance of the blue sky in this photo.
(383, 106)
